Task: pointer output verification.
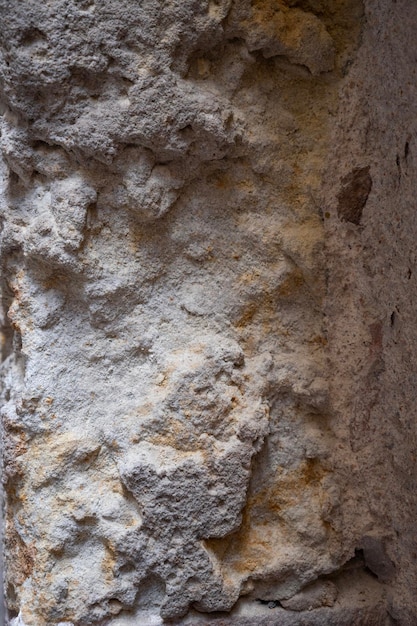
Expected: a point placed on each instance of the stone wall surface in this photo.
(209, 338)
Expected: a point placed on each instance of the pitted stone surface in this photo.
(170, 422)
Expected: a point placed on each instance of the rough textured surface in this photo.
(371, 301)
(203, 285)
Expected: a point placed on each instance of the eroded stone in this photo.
(167, 416)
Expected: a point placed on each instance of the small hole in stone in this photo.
(126, 568)
(32, 36)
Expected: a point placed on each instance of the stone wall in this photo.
(208, 314)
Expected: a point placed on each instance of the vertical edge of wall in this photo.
(371, 308)
(2, 494)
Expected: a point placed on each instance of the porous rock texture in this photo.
(207, 285)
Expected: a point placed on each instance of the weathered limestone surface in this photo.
(208, 273)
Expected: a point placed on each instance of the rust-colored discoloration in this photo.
(263, 309)
(20, 556)
(248, 548)
(292, 283)
(108, 563)
(14, 448)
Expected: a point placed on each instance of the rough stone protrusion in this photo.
(190, 348)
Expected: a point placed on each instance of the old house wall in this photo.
(208, 280)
